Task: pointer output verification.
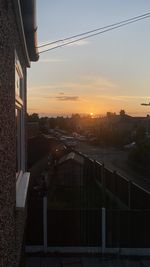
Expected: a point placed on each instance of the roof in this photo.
(72, 156)
(25, 12)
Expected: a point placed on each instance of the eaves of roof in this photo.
(25, 18)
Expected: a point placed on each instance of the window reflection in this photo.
(18, 140)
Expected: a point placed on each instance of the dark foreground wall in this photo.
(9, 222)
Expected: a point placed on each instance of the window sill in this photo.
(22, 189)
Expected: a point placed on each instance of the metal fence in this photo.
(108, 231)
(126, 231)
(75, 228)
(128, 192)
(128, 228)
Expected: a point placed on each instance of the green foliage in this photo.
(139, 157)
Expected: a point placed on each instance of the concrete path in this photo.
(78, 261)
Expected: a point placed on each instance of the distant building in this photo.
(17, 50)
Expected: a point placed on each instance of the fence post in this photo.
(103, 185)
(94, 170)
(129, 194)
(103, 230)
(114, 186)
(45, 223)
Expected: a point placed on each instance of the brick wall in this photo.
(9, 41)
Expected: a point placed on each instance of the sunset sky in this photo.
(107, 72)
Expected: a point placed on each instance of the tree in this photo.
(122, 113)
(33, 117)
(75, 119)
(139, 157)
(44, 124)
(110, 114)
(140, 134)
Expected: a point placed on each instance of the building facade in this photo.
(17, 50)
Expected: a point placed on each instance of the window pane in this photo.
(18, 83)
(18, 141)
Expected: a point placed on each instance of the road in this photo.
(115, 160)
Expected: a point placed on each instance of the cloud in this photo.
(86, 84)
(67, 98)
(61, 93)
(50, 60)
(126, 98)
(62, 97)
(63, 43)
(79, 43)
(32, 109)
(145, 104)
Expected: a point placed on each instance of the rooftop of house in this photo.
(73, 157)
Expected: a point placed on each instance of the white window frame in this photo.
(22, 177)
(19, 105)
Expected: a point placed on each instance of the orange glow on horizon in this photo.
(97, 107)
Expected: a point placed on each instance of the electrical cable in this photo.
(119, 25)
(98, 29)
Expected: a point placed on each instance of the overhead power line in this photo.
(97, 31)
